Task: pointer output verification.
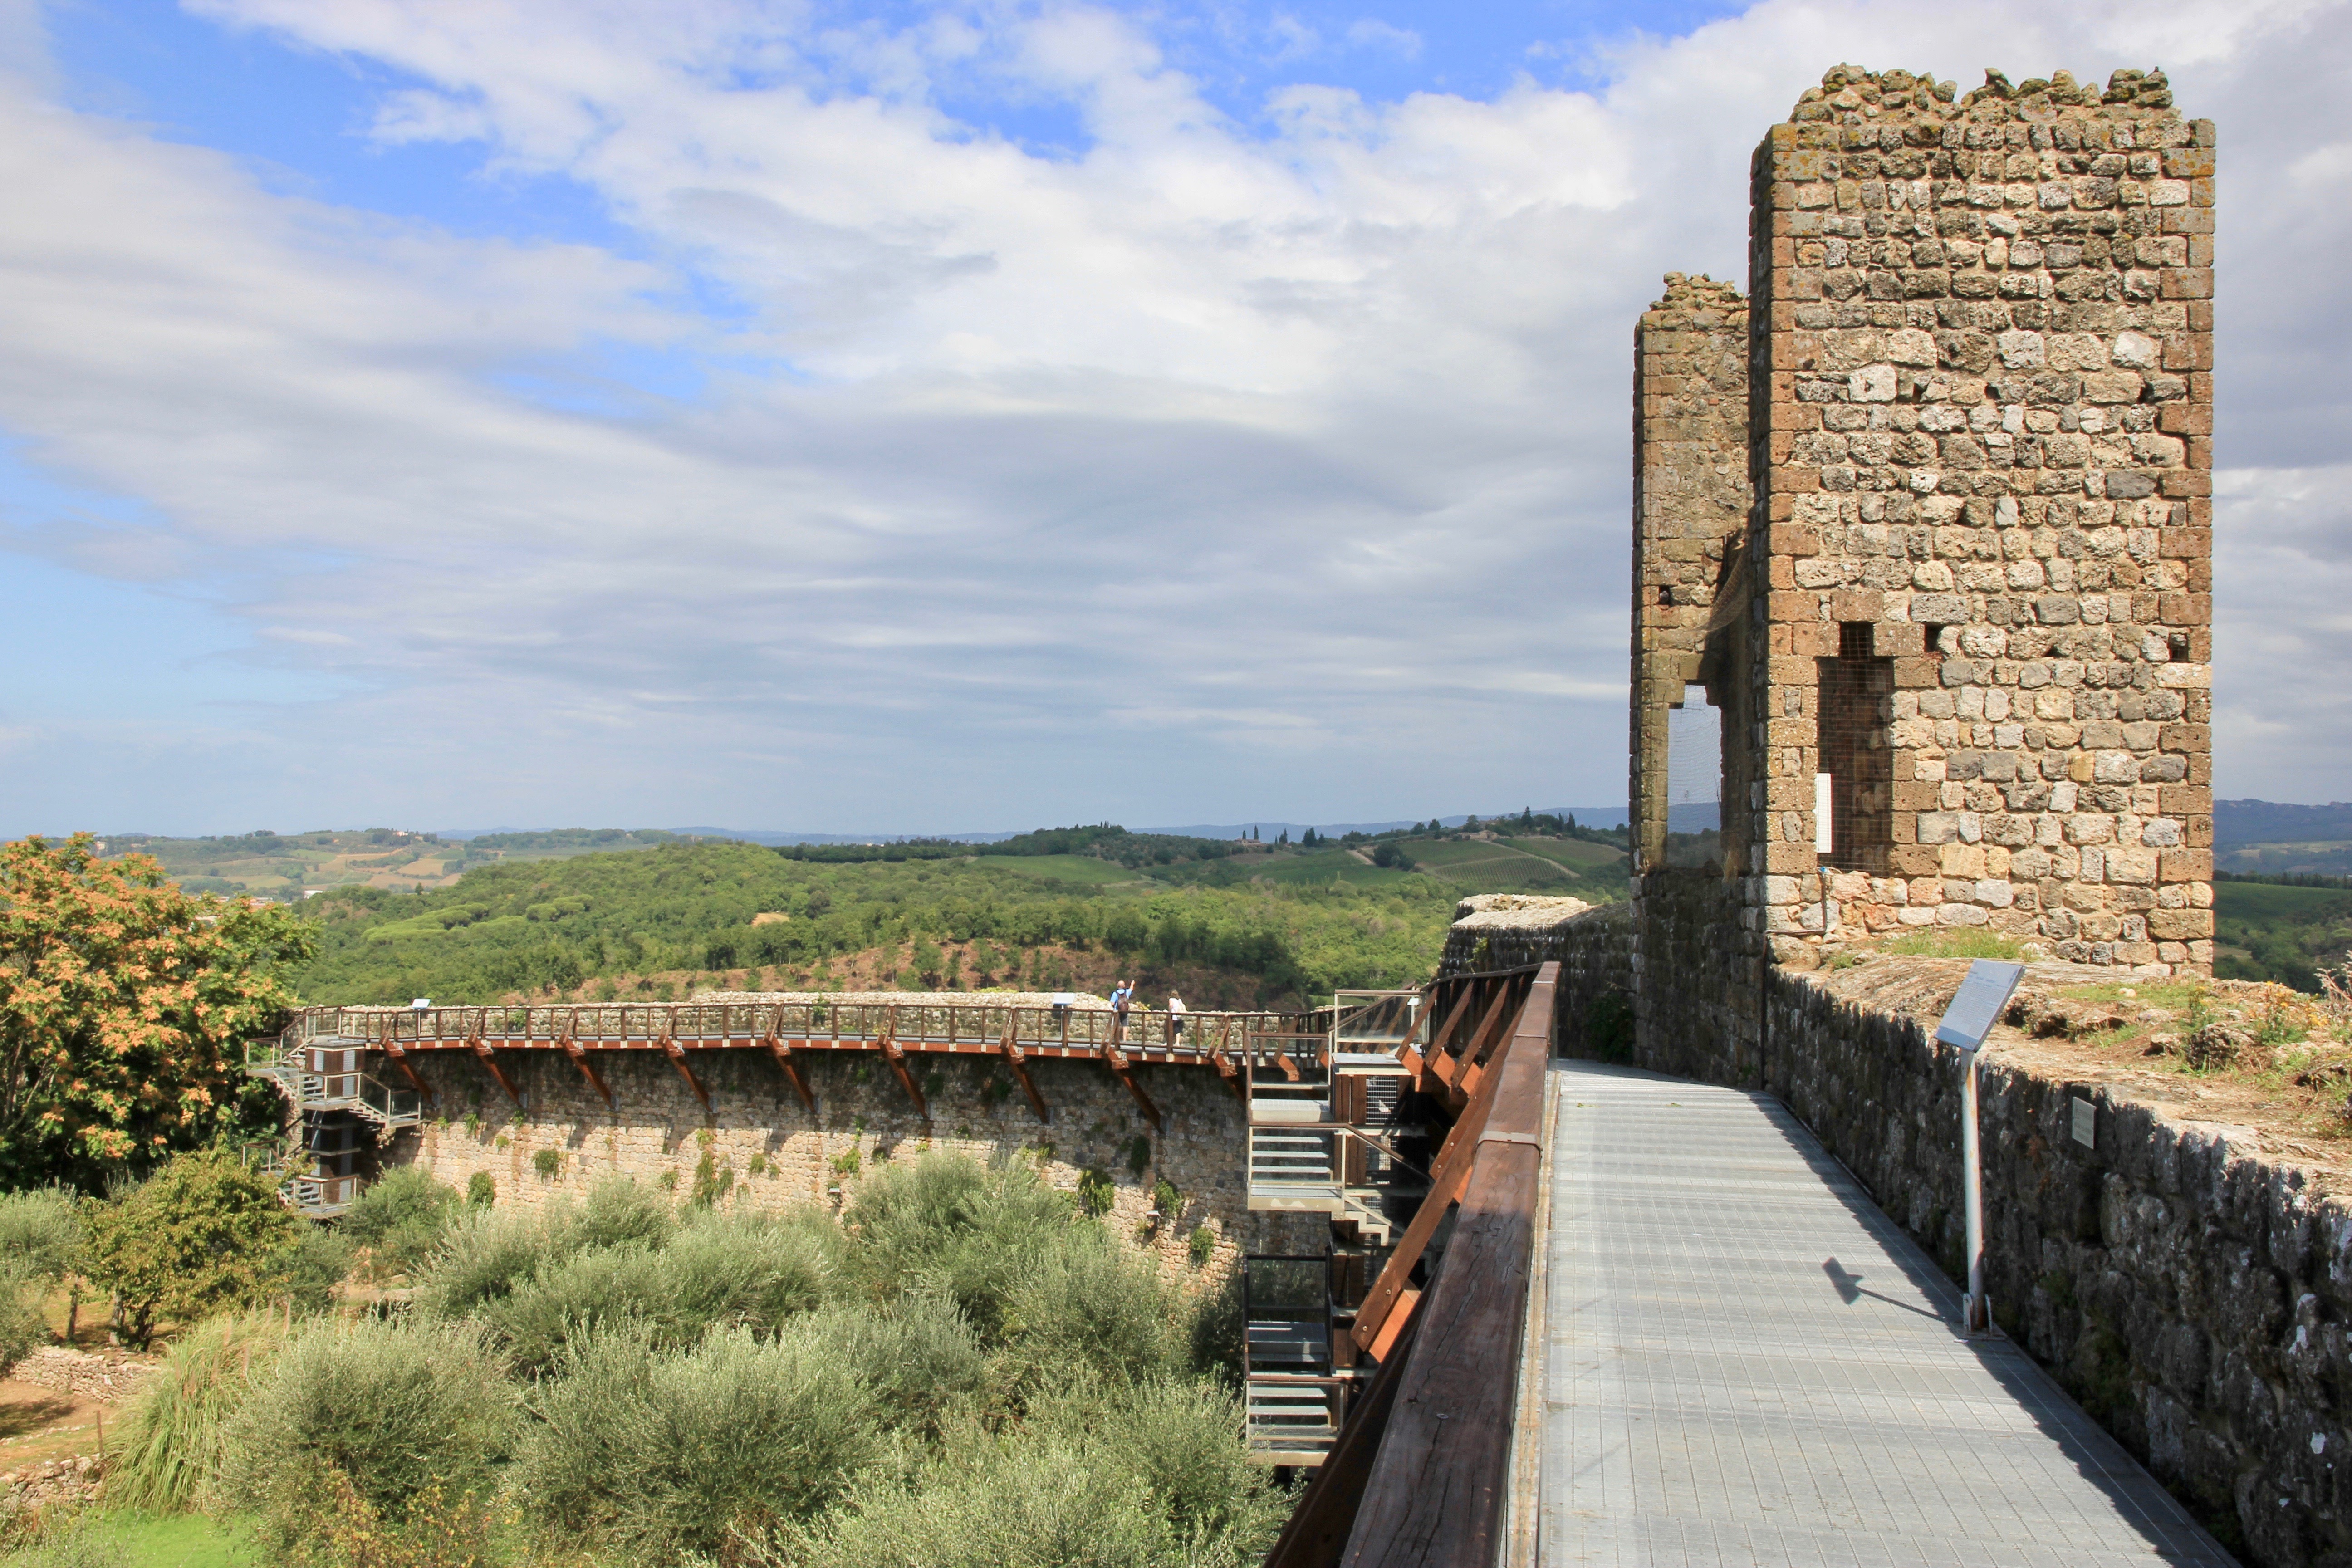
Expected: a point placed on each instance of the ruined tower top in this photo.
(1939, 549)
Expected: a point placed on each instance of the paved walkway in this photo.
(1749, 1363)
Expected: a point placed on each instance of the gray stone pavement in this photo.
(1748, 1363)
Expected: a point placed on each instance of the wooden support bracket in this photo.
(408, 1070)
(791, 1070)
(1017, 1060)
(490, 1059)
(1445, 1032)
(676, 1054)
(1225, 1064)
(1447, 1174)
(897, 1059)
(1125, 1071)
(579, 1055)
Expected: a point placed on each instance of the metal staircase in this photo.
(1326, 1121)
(340, 1111)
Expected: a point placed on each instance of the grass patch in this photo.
(176, 1539)
(1954, 941)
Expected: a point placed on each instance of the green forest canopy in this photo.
(1296, 922)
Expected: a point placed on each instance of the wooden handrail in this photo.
(1419, 1473)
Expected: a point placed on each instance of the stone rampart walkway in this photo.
(1749, 1363)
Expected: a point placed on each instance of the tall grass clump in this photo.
(59, 1539)
(396, 1407)
(171, 1445)
(656, 1455)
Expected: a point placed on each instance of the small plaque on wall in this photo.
(2087, 1122)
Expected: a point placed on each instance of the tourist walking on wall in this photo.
(1175, 1018)
(1120, 996)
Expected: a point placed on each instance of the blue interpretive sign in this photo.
(1977, 1007)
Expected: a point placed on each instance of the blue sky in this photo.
(891, 417)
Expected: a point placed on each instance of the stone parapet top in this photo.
(1517, 911)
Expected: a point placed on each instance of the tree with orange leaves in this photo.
(123, 1003)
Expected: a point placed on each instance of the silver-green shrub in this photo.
(397, 1407)
(654, 1454)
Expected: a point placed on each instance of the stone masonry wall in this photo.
(1593, 945)
(766, 1149)
(1981, 423)
(1690, 507)
(2196, 1299)
(1696, 989)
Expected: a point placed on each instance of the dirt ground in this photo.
(38, 1423)
(2246, 1053)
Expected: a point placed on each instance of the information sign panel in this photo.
(1977, 1008)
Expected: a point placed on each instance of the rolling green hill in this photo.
(2263, 931)
(1272, 926)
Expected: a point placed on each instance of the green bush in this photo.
(945, 1223)
(40, 1228)
(603, 1288)
(169, 1453)
(481, 1192)
(919, 1358)
(202, 1235)
(397, 1407)
(661, 1455)
(536, 1288)
(619, 1210)
(485, 1254)
(400, 1218)
(744, 1270)
(62, 1539)
(1088, 1305)
(312, 1265)
(1151, 1477)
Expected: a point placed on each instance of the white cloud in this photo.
(1081, 482)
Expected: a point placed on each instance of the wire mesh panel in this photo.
(1857, 711)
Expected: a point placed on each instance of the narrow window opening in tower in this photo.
(1857, 701)
(1693, 780)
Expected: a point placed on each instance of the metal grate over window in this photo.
(1857, 708)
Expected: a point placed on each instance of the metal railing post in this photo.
(1972, 1184)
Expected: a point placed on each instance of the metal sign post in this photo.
(1966, 1023)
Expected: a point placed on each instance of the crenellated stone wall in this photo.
(1980, 430)
(1961, 640)
(759, 1146)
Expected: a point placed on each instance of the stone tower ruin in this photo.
(1928, 516)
